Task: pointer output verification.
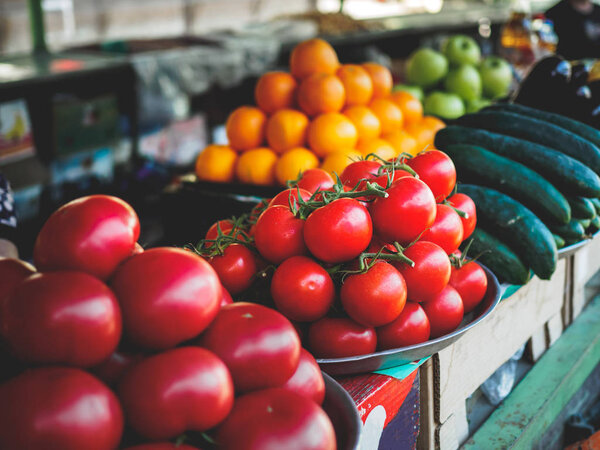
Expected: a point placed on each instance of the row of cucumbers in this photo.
(534, 178)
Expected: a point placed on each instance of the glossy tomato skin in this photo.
(471, 283)
(186, 388)
(274, 419)
(408, 210)
(91, 234)
(112, 369)
(357, 171)
(12, 273)
(375, 297)
(302, 290)
(464, 203)
(258, 344)
(339, 337)
(59, 407)
(445, 312)
(430, 273)
(167, 296)
(236, 268)
(338, 231)
(225, 297)
(410, 328)
(278, 235)
(315, 179)
(437, 170)
(289, 197)
(447, 229)
(307, 380)
(62, 317)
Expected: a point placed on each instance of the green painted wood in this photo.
(36, 21)
(539, 398)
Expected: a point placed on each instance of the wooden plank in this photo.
(537, 344)
(465, 365)
(554, 329)
(427, 425)
(534, 404)
(585, 265)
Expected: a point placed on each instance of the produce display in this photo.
(534, 178)
(368, 262)
(455, 80)
(112, 346)
(320, 114)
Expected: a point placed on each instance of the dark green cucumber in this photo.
(596, 223)
(574, 126)
(570, 231)
(566, 173)
(585, 223)
(498, 257)
(581, 208)
(537, 131)
(560, 242)
(596, 203)
(479, 166)
(516, 225)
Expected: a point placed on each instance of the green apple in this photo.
(477, 104)
(464, 81)
(415, 91)
(461, 49)
(426, 67)
(496, 77)
(444, 105)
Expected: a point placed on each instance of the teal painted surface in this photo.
(538, 399)
(401, 372)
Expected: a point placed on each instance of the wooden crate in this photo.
(533, 314)
(581, 268)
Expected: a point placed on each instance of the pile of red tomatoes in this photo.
(363, 263)
(107, 346)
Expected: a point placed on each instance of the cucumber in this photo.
(516, 225)
(560, 242)
(574, 126)
(537, 131)
(479, 166)
(596, 203)
(567, 174)
(585, 223)
(498, 257)
(571, 231)
(581, 208)
(596, 223)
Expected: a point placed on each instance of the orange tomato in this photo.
(256, 166)
(330, 132)
(321, 93)
(379, 147)
(293, 162)
(412, 109)
(245, 128)
(286, 129)
(424, 131)
(275, 91)
(313, 56)
(366, 122)
(336, 162)
(357, 83)
(382, 79)
(402, 142)
(216, 163)
(388, 113)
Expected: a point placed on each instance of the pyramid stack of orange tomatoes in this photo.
(321, 114)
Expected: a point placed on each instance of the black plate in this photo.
(404, 355)
(342, 411)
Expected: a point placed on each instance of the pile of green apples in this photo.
(456, 80)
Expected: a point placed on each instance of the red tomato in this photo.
(375, 297)
(357, 171)
(289, 197)
(259, 345)
(446, 231)
(410, 328)
(302, 290)
(59, 408)
(437, 170)
(338, 231)
(408, 210)
(111, 370)
(445, 312)
(167, 296)
(91, 234)
(382, 180)
(236, 268)
(12, 273)
(225, 297)
(187, 388)
(62, 317)
(340, 337)
(213, 232)
(315, 179)
(464, 203)
(430, 273)
(471, 283)
(276, 419)
(307, 379)
(162, 446)
(278, 234)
